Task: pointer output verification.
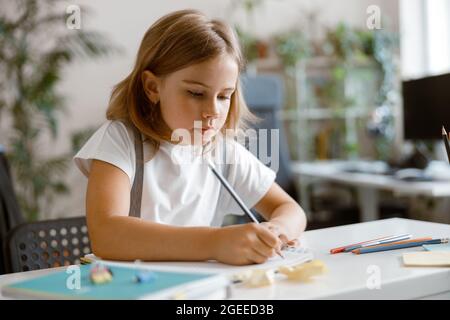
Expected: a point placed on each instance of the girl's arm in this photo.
(282, 213)
(116, 236)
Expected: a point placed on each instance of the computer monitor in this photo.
(426, 107)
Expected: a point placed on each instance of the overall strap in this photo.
(136, 189)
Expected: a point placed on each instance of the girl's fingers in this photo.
(255, 257)
(293, 243)
(268, 238)
(263, 249)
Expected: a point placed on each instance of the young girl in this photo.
(186, 72)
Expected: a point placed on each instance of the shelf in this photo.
(322, 113)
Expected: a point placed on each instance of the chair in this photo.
(37, 245)
(10, 214)
(46, 244)
(264, 96)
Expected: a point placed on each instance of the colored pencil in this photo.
(342, 249)
(400, 245)
(378, 242)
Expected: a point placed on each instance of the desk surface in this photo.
(348, 274)
(331, 170)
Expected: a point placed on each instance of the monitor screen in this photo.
(426, 107)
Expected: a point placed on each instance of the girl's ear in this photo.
(151, 85)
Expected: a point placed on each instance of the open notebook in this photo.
(166, 285)
(292, 256)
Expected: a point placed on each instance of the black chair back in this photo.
(47, 244)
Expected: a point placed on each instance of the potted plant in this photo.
(35, 46)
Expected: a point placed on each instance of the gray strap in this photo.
(136, 189)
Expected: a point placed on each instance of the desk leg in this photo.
(368, 203)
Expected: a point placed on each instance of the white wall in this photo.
(425, 41)
(87, 85)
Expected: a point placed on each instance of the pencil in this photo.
(400, 245)
(236, 197)
(342, 249)
(379, 242)
(446, 143)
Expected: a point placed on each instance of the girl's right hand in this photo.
(245, 244)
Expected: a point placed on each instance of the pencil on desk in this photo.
(236, 197)
(343, 248)
(401, 245)
(446, 143)
(379, 242)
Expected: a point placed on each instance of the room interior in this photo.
(357, 94)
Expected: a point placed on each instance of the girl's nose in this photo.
(210, 113)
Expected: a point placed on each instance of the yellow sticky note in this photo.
(427, 259)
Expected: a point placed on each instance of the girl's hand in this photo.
(279, 232)
(245, 244)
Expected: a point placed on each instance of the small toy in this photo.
(260, 278)
(241, 276)
(100, 274)
(145, 276)
(303, 271)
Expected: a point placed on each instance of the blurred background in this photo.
(359, 90)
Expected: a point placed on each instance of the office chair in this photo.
(264, 96)
(37, 245)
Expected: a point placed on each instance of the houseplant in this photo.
(35, 46)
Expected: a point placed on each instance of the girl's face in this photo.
(196, 98)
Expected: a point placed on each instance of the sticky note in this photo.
(427, 259)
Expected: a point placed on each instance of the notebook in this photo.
(166, 285)
(292, 256)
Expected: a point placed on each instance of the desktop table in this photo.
(349, 276)
(367, 185)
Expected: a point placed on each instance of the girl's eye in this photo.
(195, 94)
(224, 98)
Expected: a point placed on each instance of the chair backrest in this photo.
(264, 96)
(46, 244)
(10, 214)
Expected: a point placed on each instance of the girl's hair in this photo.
(174, 42)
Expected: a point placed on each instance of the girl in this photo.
(186, 73)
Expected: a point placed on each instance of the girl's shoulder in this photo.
(119, 127)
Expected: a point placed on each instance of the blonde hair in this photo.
(174, 42)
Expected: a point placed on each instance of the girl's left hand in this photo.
(279, 232)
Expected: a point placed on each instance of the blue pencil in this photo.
(399, 246)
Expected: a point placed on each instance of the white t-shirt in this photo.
(178, 191)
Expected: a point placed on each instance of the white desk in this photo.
(348, 273)
(367, 185)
